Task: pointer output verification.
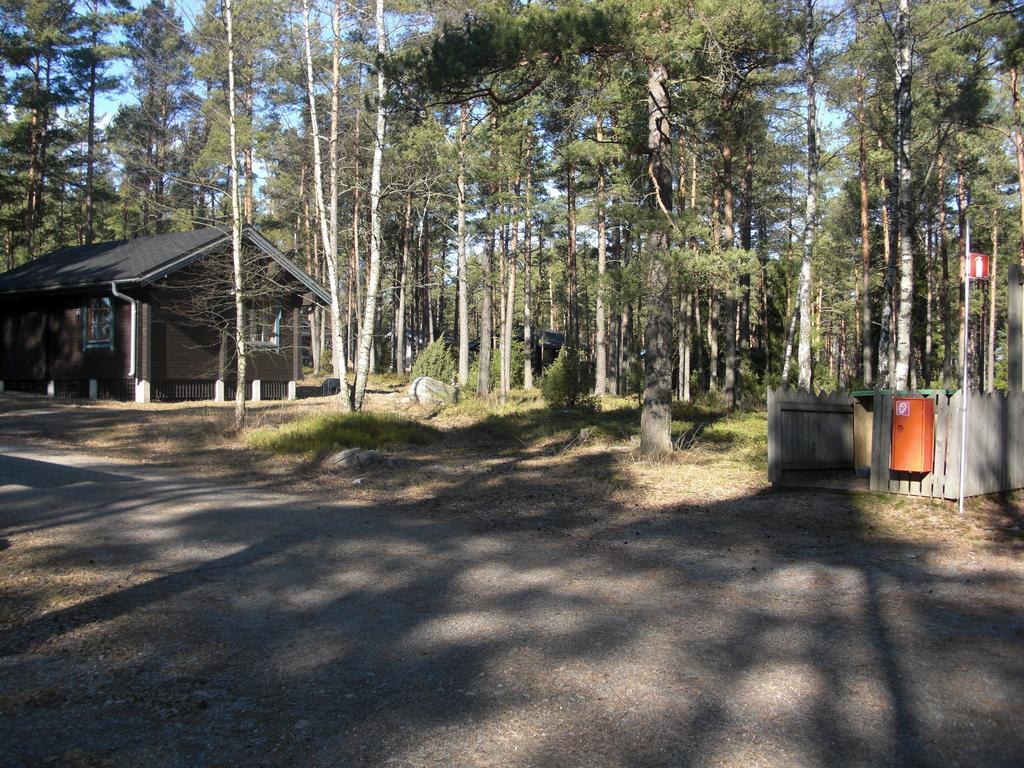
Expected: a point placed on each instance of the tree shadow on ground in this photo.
(523, 614)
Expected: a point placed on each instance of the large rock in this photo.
(355, 457)
(430, 391)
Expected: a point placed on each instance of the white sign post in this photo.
(976, 265)
(963, 389)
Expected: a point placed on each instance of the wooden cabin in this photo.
(153, 319)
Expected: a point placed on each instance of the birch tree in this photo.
(241, 346)
(328, 217)
(811, 203)
(463, 278)
(904, 194)
(373, 279)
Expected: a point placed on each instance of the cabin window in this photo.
(99, 324)
(265, 326)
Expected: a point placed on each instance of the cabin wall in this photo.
(181, 346)
(184, 349)
(179, 351)
(41, 339)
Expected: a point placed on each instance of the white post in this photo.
(94, 389)
(51, 388)
(218, 391)
(141, 391)
(256, 393)
(967, 337)
(291, 390)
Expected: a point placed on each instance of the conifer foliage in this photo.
(693, 197)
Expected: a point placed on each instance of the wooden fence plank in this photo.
(1015, 328)
(773, 436)
(879, 476)
(938, 475)
(953, 448)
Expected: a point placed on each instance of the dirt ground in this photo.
(168, 598)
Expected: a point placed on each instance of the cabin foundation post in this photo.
(142, 394)
(256, 394)
(51, 388)
(94, 389)
(218, 391)
(296, 350)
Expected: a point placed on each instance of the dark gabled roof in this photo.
(102, 263)
(139, 261)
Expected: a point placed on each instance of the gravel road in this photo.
(152, 617)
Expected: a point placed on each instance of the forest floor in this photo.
(512, 587)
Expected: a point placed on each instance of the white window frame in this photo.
(258, 327)
(88, 324)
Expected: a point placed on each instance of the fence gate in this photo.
(809, 431)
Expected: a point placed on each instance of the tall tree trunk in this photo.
(37, 133)
(990, 362)
(961, 210)
(90, 139)
(463, 375)
(373, 280)
(926, 363)
(403, 269)
(354, 290)
(483, 379)
(1017, 135)
(867, 371)
(619, 257)
(746, 243)
(804, 370)
(714, 311)
(685, 311)
(510, 295)
(713, 307)
(312, 267)
(527, 271)
(942, 244)
(572, 283)
(427, 320)
(248, 152)
(904, 194)
(885, 345)
(241, 344)
(327, 232)
(656, 412)
(731, 361)
(601, 340)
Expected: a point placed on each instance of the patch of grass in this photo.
(525, 418)
(327, 432)
(744, 436)
(390, 382)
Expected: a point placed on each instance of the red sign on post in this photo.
(977, 266)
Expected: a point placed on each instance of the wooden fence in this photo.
(809, 432)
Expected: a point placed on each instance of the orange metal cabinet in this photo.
(913, 434)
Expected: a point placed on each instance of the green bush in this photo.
(568, 383)
(436, 361)
(518, 364)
